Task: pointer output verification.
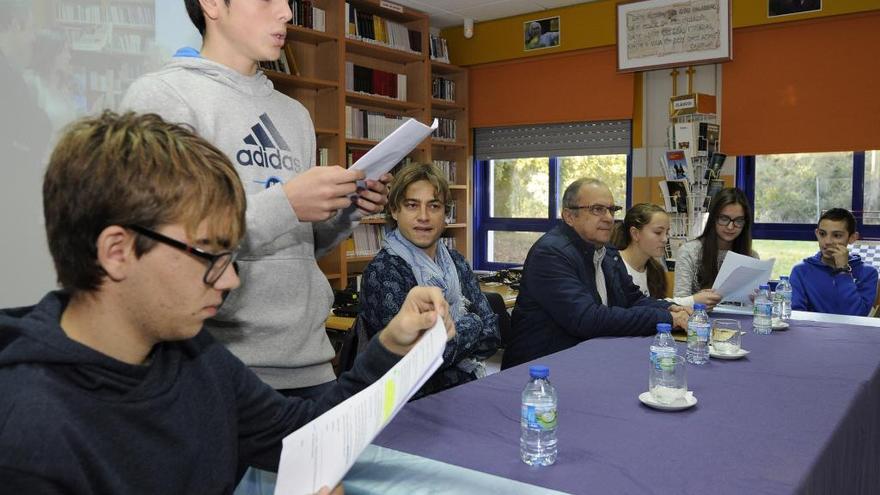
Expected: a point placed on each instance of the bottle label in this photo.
(697, 331)
(764, 309)
(539, 418)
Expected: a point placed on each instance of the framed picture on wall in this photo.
(653, 34)
(541, 33)
(788, 7)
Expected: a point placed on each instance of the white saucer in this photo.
(686, 402)
(779, 325)
(737, 355)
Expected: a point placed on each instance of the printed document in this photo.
(321, 452)
(740, 275)
(388, 153)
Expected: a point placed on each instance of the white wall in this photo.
(26, 270)
(657, 90)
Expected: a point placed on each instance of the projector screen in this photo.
(61, 60)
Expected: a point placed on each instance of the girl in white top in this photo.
(728, 228)
(641, 239)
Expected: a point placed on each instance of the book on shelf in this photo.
(447, 168)
(449, 242)
(442, 88)
(322, 158)
(676, 196)
(366, 240)
(369, 27)
(445, 130)
(285, 64)
(374, 126)
(375, 82)
(439, 50)
(305, 14)
(450, 212)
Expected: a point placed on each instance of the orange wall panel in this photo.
(563, 88)
(803, 87)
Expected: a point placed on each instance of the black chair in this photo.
(496, 302)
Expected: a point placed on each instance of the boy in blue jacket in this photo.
(832, 280)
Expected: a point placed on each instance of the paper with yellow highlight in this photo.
(321, 452)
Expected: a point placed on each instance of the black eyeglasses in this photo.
(598, 210)
(725, 220)
(217, 263)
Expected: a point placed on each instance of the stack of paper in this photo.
(320, 453)
(740, 275)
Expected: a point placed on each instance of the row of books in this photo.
(133, 15)
(370, 27)
(126, 43)
(447, 167)
(445, 130)
(449, 242)
(366, 240)
(439, 51)
(375, 126)
(323, 157)
(305, 14)
(375, 81)
(443, 89)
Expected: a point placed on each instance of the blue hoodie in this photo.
(73, 420)
(815, 287)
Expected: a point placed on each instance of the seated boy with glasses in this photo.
(575, 288)
(110, 385)
(412, 255)
(833, 280)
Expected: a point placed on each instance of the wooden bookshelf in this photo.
(320, 59)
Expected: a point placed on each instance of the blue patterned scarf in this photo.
(434, 273)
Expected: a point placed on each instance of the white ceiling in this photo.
(446, 13)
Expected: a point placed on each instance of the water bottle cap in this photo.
(699, 307)
(539, 371)
(765, 286)
(783, 277)
(664, 327)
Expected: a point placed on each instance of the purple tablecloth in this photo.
(801, 413)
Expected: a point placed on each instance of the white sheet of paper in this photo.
(321, 452)
(388, 153)
(740, 275)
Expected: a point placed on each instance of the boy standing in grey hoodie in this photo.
(296, 212)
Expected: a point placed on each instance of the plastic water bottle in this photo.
(776, 299)
(763, 314)
(537, 441)
(784, 288)
(698, 336)
(663, 344)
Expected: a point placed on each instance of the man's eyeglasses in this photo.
(598, 210)
(725, 220)
(217, 263)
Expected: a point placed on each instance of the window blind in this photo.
(606, 137)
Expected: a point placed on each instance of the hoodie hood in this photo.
(189, 59)
(816, 260)
(33, 336)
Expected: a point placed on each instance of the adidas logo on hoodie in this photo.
(266, 147)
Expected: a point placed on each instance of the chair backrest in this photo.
(868, 250)
(351, 346)
(496, 302)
